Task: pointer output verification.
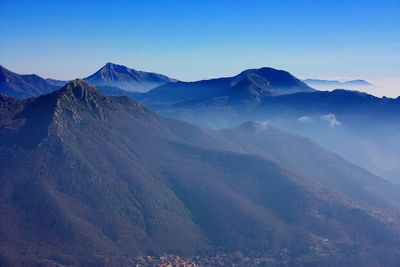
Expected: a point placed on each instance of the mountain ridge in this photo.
(248, 86)
(23, 86)
(127, 82)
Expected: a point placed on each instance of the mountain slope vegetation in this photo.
(97, 180)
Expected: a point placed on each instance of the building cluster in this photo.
(221, 259)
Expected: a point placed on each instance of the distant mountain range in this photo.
(23, 86)
(130, 80)
(93, 180)
(340, 120)
(250, 85)
(255, 94)
(111, 78)
(334, 84)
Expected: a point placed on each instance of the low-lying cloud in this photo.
(305, 119)
(331, 120)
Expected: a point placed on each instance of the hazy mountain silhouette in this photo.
(260, 94)
(339, 120)
(23, 86)
(131, 80)
(112, 79)
(248, 86)
(334, 84)
(58, 83)
(96, 180)
(312, 162)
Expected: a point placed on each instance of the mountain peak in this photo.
(79, 93)
(265, 71)
(79, 82)
(80, 87)
(120, 76)
(111, 70)
(109, 66)
(275, 81)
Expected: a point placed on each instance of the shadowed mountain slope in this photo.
(314, 163)
(23, 86)
(104, 180)
(361, 127)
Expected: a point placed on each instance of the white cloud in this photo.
(260, 126)
(263, 124)
(331, 119)
(305, 119)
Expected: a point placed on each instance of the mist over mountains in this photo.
(111, 180)
(339, 120)
(200, 133)
(335, 84)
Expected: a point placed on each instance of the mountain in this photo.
(334, 84)
(105, 90)
(23, 86)
(105, 180)
(249, 86)
(59, 83)
(311, 161)
(111, 79)
(113, 75)
(357, 83)
(280, 82)
(359, 126)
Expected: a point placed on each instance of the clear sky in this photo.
(196, 39)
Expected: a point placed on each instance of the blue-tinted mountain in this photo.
(334, 84)
(356, 125)
(249, 86)
(248, 96)
(341, 102)
(112, 79)
(23, 86)
(113, 75)
(357, 83)
(106, 180)
(303, 156)
(59, 83)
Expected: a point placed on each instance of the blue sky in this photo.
(193, 39)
